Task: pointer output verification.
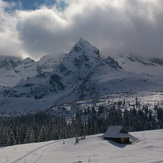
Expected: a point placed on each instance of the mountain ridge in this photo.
(79, 75)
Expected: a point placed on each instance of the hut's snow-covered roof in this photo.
(116, 132)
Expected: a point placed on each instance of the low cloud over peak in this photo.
(112, 26)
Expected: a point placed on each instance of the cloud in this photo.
(10, 44)
(112, 26)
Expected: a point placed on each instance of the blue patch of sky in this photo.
(35, 4)
(62, 5)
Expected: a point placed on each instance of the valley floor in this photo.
(147, 149)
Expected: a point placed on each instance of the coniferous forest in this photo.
(43, 126)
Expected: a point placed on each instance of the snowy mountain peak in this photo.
(75, 66)
(83, 43)
(83, 47)
(82, 57)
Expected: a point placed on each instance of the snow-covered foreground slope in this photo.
(148, 149)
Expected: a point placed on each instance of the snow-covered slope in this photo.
(93, 149)
(131, 63)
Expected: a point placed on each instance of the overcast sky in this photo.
(52, 27)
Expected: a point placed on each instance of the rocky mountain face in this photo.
(14, 69)
(75, 67)
(80, 75)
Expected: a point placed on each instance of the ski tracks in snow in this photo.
(34, 150)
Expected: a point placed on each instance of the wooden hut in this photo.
(117, 134)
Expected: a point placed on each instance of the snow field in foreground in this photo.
(148, 149)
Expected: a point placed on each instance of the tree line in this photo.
(43, 127)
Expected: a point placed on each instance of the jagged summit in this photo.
(75, 66)
(83, 43)
(83, 47)
(82, 57)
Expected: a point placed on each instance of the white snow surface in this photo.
(147, 148)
